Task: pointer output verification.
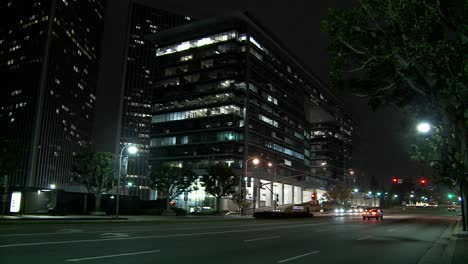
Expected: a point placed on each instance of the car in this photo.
(373, 212)
(451, 209)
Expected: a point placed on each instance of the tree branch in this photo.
(349, 46)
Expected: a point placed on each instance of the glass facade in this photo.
(264, 108)
(138, 85)
(48, 64)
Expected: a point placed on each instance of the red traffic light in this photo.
(313, 196)
(423, 181)
(395, 180)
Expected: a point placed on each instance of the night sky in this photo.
(377, 148)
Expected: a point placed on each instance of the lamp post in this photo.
(272, 188)
(131, 149)
(255, 161)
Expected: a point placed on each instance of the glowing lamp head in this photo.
(132, 149)
(423, 127)
(256, 161)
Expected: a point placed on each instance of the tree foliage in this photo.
(240, 199)
(9, 159)
(410, 54)
(95, 171)
(220, 181)
(339, 193)
(171, 181)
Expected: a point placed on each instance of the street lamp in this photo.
(255, 161)
(272, 187)
(131, 149)
(423, 127)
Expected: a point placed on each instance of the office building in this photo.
(49, 54)
(227, 91)
(124, 117)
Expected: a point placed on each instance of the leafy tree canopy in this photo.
(410, 54)
(171, 181)
(94, 170)
(9, 159)
(220, 181)
(339, 193)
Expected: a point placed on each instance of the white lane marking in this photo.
(262, 238)
(116, 255)
(390, 230)
(142, 230)
(321, 230)
(300, 256)
(362, 238)
(114, 235)
(155, 236)
(71, 230)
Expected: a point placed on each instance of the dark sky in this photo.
(296, 23)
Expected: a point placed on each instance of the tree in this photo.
(9, 160)
(410, 54)
(95, 171)
(241, 201)
(171, 181)
(220, 181)
(339, 193)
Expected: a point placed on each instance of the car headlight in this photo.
(341, 210)
(337, 210)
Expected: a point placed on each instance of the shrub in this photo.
(155, 211)
(179, 211)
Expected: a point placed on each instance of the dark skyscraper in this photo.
(48, 67)
(134, 113)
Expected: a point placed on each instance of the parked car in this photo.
(373, 212)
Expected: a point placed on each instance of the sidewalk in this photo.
(460, 254)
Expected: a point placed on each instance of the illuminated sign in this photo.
(15, 202)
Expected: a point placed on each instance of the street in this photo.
(411, 237)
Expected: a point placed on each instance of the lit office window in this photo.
(268, 120)
(197, 113)
(196, 43)
(284, 150)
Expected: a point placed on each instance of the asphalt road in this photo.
(413, 237)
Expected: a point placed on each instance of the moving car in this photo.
(451, 209)
(373, 212)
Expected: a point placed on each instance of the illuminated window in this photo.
(256, 54)
(197, 113)
(253, 88)
(186, 57)
(284, 150)
(268, 120)
(15, 92)
(196, 43)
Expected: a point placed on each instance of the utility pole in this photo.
(5, 195)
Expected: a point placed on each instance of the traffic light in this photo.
(450, 196)
(423, 181)
(394, 180)
(313, 196)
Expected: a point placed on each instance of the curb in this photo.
(443, 248)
